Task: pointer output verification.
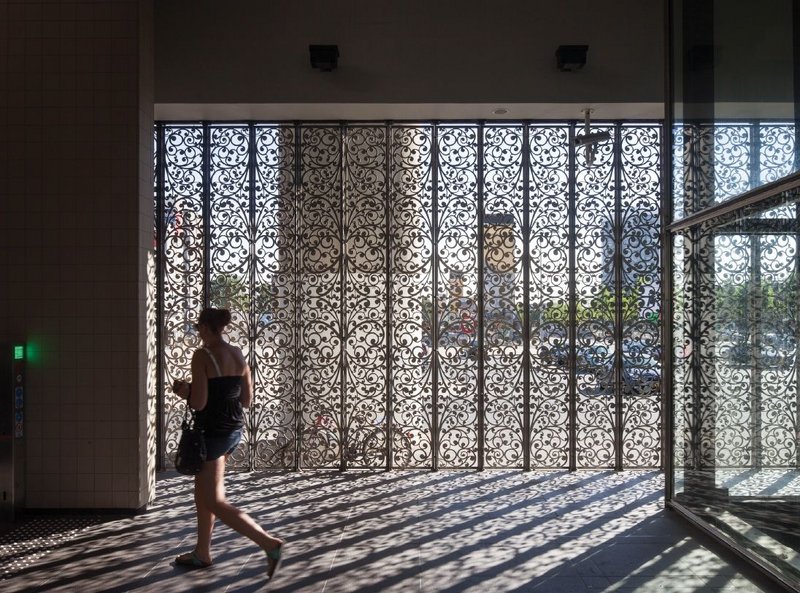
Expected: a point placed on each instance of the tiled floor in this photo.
(434, 532)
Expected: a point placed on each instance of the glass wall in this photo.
(735, 421)
(736, 461)
(733, 99)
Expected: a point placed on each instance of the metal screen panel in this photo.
(182, 281)
(411, 289)
(549, 294)
(504, 368)
(596, 290)
(274, 361)
(230, 242)
(755, 294)
(735, 302)
(321, 319)
(640, 295)
(421, 295)
(365, 300)
(456, 289)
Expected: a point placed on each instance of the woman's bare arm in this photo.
(199, 388)
(246, 397)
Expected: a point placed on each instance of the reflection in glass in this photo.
(736, 417)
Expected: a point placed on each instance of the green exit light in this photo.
(19, 352)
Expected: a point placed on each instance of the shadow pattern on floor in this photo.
(437, 532)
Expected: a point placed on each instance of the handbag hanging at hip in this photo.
(191, 452)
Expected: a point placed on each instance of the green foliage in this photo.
(602, 306)
(232, 292)
(774, 302)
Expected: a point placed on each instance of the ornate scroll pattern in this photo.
(732, 154)
(748, 394)
(695, 351)
(640, 246)
(456, 314)
(693, 320)
(183, 265)
(343, 251)
(679, 161)
(230, 242)
(681, 359)
(715, 162)
(503, 285)
(696, 176)
(549, 294)
(755, 334)
(755, 358)
(702, 257)
(321, 306)
(733, 268)
(411, 285)
(151, 376)
(777, 153)
(272, 416)
(595, 291)
(365, 277)
(776, 350)
(152, 346)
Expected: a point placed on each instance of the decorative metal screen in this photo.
(713, 162)
(735, 325)
(421, 296)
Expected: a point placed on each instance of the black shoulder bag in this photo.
(192, 446)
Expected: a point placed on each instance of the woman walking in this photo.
(221, 387)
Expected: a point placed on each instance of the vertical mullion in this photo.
(618, 290)
(796, 296)
(571, 322)
(667, 319)
(253, 233)
(756, 295)
(696, 360)
(343, 436)
(206, 213)
(796, 85)
(159, 252)
(435, 296)
(755, 155)
(756, 299)
(526, 338)
(481, 391)
(389, 326)
(694, 283)
(297, 239)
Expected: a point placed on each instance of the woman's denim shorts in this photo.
(217, 446)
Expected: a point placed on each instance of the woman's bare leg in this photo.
(205, 519)
(210, 487)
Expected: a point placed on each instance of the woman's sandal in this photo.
(274, 559)
(190, 559)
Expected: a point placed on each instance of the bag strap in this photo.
(189, 417)
(214, 360)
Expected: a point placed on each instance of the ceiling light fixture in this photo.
(571, 57)
(324, 57)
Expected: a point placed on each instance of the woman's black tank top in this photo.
(223, 413)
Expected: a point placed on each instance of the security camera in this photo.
(595, 138)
